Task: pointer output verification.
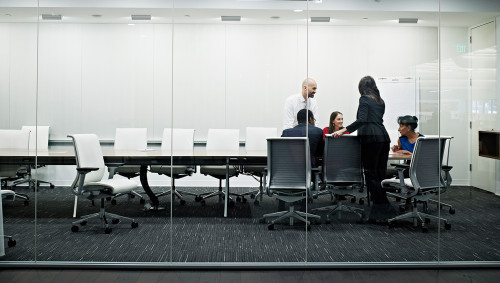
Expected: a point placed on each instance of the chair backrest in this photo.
(177, 139)
(15, 139)
(288, 163)
(131, 138)
(89, 155)
(223, 140)
(39, 137)
(342, 160)
(256, 138)
(425, 166)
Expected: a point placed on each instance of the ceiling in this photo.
(454, 13)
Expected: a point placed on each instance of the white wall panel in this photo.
(5, 76)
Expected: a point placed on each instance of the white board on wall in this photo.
(399, 94)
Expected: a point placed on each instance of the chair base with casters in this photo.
(12, 195)
(174, 172)
(127, 172)
(254, 171)
(291, 214)
(103, 216)
(30, 181)
(218, 172)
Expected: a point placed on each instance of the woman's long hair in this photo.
(331, 125)
(367, 86)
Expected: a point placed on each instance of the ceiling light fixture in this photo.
(141, 17)
(275, 17)
(297, 11)
(51, 17)
(408, 20)
(230, 18)
(320, 19)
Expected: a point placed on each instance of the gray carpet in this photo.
(195, 233)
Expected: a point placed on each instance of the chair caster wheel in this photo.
(113, 201)
(26, 203)
(107, 230)
(83, 223)
(197, 199)
(447, 226)
(132, 196)
(427, 220)
(244, 200)
(308, 227)
(231, 203)
(74, 228)
(11, 243)
(108, 198)
(115, 221)
(353, 200)
(183, 202)
(262, 220)
(361, 201)
(425, 229)
(142, 201)
(134, 225)
(203, 203)
(252, 196)
(256, 203)
(52, 186)
(452, 210)
(238, 199)
(270, 227)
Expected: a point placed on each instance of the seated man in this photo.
(315, 134)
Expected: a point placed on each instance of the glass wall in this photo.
(208, 82)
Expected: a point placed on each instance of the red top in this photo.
(325, 132)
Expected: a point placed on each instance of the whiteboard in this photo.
(399, 94)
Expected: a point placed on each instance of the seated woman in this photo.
(336, 123)
(406, 143)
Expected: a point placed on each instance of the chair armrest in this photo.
(446, 168)
(86, 170)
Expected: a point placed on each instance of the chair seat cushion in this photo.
(168, 170)
(217, 171)
(114, 186)
(388, 182)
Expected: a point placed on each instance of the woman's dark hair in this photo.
(367, 86)
(408, 120)
(331, 124)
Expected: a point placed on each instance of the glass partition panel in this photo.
(18, 85)
(469, 99)
(397, 47)
(235, 64)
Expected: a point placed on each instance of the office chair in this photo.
(176, 141)
(39, 140)
(343, 173)
(256, 141)
(13, 140)
(220, 142)
(128, 139)
(448, 179)
(426, 180)
(90, 170)
(6, 195)
(289, 174)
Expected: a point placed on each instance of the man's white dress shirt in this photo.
(293, 104)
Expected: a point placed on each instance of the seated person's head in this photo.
(302, 116)
(407, 124)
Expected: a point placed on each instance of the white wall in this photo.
(96, 77)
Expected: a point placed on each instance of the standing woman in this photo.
(375, 143)
(336, 123)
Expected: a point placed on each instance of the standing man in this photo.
(299, 101)
(314, 134)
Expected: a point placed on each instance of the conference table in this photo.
(65, 155)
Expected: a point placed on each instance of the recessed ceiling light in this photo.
(408, 20)
(320, 19)
(365, 19)
(275, 17)
(297, 11)
(187, 16)
(96, 16)
(51, 17)
(230, 18)
(131, 24)
(141, 17)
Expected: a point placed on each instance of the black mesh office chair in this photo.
(290, 178)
